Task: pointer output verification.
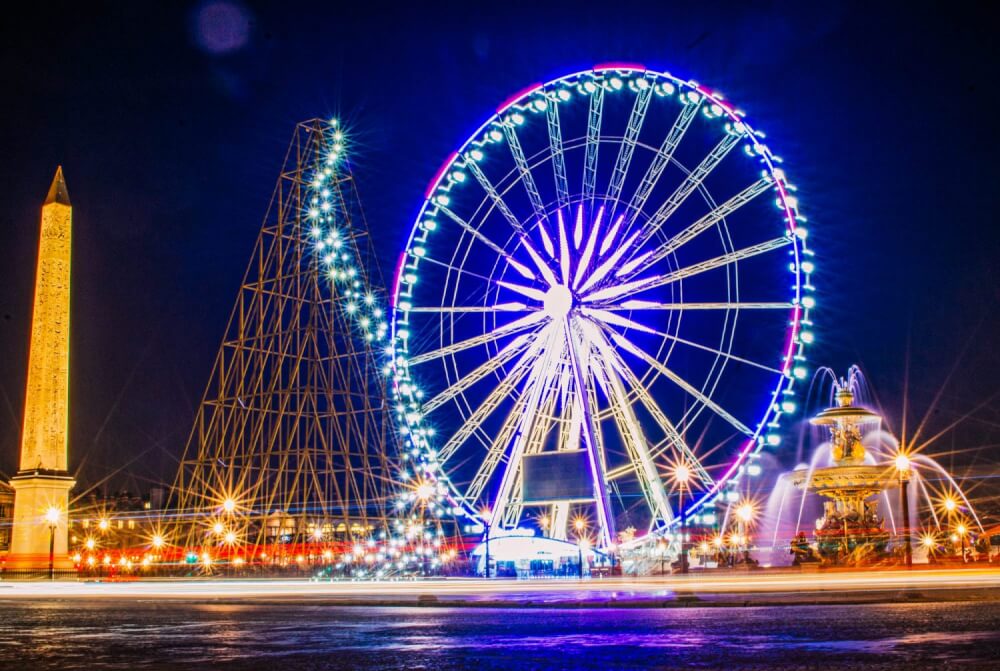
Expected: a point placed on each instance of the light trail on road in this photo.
(457, 590)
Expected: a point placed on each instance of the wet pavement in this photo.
(154, 634)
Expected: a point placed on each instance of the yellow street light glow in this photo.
(954, 538)
(961, 529)
(76, 558)
(544, 521)
(902, 463)
(103, 525)
(91, 561)
(950, 504)
(238, 561)
(52, 515)
(318, 533)
(579, 524)
(90, 544)
(928, 541)
(218, 528)
(229, 505)
(717, 541)
(157, 541)
(745, 511)
(230, 537)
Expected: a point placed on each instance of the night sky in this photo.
(171, 122)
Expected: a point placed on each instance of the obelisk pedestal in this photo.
(41, 499)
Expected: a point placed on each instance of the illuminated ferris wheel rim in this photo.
(801, 269)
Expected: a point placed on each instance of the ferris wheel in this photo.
(602, 307)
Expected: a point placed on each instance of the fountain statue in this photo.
(851, 530)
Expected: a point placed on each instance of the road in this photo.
(758, 587)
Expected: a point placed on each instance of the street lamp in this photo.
(52, 516)
(744, 516)
(903, 469)
(961, 530)
(682, 473)
(487, 514)
(579, 524)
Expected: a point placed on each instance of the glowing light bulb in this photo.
(902, 463)
(745, 511)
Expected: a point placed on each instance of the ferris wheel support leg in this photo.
(537, 384)
(605, 519)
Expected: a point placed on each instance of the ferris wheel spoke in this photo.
(588, 250)
(495, 452)
(644, 284)
(593, 143)
(495, 196)
(527, 364)
(691, 182)
(641, 264)
(627, 149)
(529, 292)
(514, 143)
(630, 430)
(656, 305)
(556, 147)
(617, 320)
(540, 263)
(497, 448)
(462, 309)
(673, 437)
(605, 317)
(478, 235)
(662, 159)
(491, 365)
(563, 248)
(609, 264)
(515, 326)
(627, 345)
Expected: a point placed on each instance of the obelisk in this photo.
(39, 536)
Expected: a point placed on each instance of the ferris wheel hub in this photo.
(558, 302)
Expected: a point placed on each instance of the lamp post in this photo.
(52, 519)
(682, 474)
(744, 515)
(486, 518)
(903, 468)
(950, 506)
(579, 524)
(961, 530)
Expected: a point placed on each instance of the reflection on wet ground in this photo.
(150, 635)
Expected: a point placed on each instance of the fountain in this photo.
(851, 530)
